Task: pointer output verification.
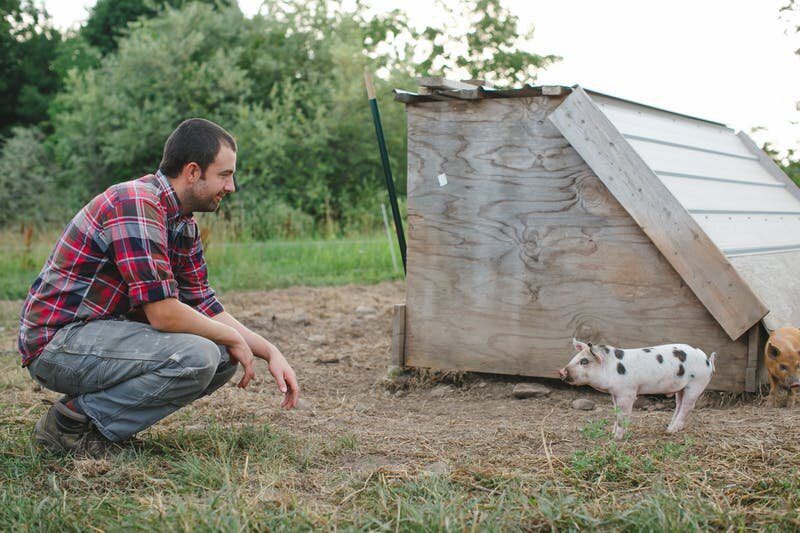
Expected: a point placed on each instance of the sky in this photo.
(731, 61)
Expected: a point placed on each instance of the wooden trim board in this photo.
(751, 372)
(399, 336)
(703, 267)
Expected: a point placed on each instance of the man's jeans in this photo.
(126, 376)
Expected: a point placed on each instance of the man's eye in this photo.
(783, 367)
(584, 361)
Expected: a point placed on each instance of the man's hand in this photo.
(241, 353)
(285, 378)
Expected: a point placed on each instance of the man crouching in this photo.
(134, 250)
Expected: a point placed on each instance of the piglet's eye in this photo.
(584, 361)
(783, 367)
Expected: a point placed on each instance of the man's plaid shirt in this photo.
(130, 245)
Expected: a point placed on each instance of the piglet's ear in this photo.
(773, 351)
(598, 357)
(580, 346)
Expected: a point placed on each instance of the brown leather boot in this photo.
(61, 430)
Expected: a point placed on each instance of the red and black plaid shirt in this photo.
(130, 245)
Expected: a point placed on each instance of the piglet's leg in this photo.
(772, 399)
(790, 398)
(690, 396)
(678, 399)
(624, 406)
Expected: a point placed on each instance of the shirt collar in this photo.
(170, 198)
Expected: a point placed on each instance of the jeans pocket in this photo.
(54, 376)
(63, 335)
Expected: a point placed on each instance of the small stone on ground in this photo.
(583, 404)
(530, 390)
(365, 310)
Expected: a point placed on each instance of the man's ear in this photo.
(192, 171)
(580, 346)
(596, 355)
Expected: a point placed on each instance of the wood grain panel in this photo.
(525, 248)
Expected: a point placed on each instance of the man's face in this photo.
(215, 183)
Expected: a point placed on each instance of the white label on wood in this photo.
(442, 179)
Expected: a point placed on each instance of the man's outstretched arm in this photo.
(170, 315)
(261, 347)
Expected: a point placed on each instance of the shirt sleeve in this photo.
(192, 278)
(137, 234)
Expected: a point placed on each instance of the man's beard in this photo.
(196, 203)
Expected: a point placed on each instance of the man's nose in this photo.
(230, 185)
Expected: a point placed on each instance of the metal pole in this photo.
(376, 117)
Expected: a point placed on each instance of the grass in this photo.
(258, 478)
(238, 266)
(214, 475)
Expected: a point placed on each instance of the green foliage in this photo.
(306, 141)
(610, 463)
(790, 163)
(288, 85)
(27, 194)
(596, 430)
(28, 43)
(109, 19)
(491, 45)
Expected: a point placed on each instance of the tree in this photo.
(288, 84)
(27, 192)
(790, 164)
(109, 19)
(28, 45)
(489, 47)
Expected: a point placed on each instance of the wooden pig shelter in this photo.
(542, 213)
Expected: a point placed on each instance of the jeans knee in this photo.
(201, 356)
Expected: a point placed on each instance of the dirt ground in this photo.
(429, 422)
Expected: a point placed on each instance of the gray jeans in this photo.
(127, 376)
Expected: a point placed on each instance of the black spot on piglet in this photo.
(646, 350)
(660, 358)
(680, 354)
(618, 353)
(620, 368)
(681, 370)
(605, 349)
(707, 363)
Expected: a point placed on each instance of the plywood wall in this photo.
(524, 247)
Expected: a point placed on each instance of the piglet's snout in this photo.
(795, 383)
(564, 374)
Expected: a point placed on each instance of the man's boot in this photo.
(61, 430)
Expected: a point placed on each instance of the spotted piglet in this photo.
(667, 369)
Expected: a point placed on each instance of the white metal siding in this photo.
(738, 203)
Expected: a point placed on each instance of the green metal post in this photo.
(376, 117)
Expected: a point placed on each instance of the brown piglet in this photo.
(782, 357)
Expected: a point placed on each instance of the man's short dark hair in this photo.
(195, 140)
